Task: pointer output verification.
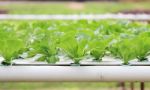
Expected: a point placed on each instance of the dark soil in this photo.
(3, 11)
(136, 11)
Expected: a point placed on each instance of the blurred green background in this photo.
(72, 7)
(67, 86)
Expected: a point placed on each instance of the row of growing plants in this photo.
(74, 41)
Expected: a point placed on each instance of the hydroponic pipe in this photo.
(75, 73)
(76, 17)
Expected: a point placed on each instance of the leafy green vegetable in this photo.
(47, 47)
(142, 47)
(75, 49)
(10, 49)
(98, 48)
(123, 49)
(76, 38)
(10, 45)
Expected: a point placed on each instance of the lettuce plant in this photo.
(10, 49)
(98, 48)
(47, 47)
(123, 49)
(142, 47)
(11, 46)
(74, 48)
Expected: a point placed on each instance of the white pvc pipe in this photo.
(74, 73)
(75, 16)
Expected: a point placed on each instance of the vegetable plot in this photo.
(74, 41)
